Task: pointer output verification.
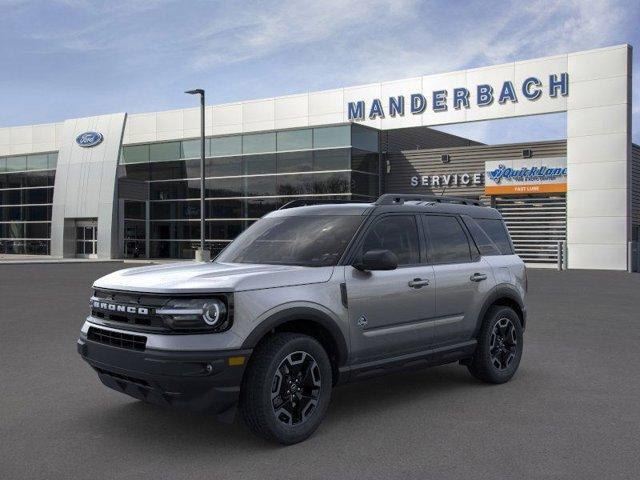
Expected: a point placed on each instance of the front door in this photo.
(87, 238)
(389, 310)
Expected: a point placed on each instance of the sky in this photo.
(73, 58)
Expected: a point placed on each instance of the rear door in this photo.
(389, 311)
(463, 278)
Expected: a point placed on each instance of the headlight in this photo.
(202, 314)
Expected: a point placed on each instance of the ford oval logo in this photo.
(89, 139)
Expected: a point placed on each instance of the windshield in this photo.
(310, 241)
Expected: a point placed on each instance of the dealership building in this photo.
(128, 185)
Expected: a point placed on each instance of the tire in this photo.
(287, 388)
(499, 349)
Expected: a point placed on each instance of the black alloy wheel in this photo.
(504, 344)
(286, 388)
(295, 390)
(499, 347)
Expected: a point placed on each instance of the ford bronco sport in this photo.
(310, 297)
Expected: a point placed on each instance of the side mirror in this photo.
(378, 260)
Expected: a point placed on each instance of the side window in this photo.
(397, 233)
(484, 243)
(497, 232)
(447, 241)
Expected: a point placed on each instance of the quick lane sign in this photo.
(481, 95)
(544, 175)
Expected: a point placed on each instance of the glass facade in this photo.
(247, 176)
(26, 196)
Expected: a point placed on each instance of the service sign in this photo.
(522, 176)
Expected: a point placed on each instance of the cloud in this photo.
(256, 49)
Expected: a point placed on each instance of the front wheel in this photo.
(287, 388)
(499, 349)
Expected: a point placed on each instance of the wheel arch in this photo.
(308, 321)
(507, 296)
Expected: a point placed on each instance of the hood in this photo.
(211, 277)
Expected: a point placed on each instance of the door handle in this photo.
(418, 283)
(478, 277)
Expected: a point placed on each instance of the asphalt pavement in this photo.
(571, 412)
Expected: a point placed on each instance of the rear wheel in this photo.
(499, 349)
(287, 388)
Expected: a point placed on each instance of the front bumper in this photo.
(197, 381)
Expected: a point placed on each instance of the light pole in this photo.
(202, 255)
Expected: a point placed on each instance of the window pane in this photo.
(327, 137)
(364, 138)
(363, 184)
(338, 159)
(52, 160)
(447, 241)
(295, 162)
(138, 171)
(161, 152)
(135, 154)
(168, 171)
(261, 186)
(257, 164)
(223, 167)
(37, 230)
(225, 187)
(225, 208)
(3, 164)
(259, 143)
(398, 234)
(497, 232)
(224, 146)
(331, 182)
(174, 190)
(364, 161)
(37, 162)
(174, 210)
(295, 140)
(191, 149)
(133, 209)
(295, 184)
(16, 164)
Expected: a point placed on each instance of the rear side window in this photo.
(486, 246)
(447, 242)
(497, 232)
(397, 233)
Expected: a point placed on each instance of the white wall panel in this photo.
(594, 203)
(607, 230)
(583, 176)
(596, 148)
(599, 63)
(610, 91)
(597, 120)
(597, 256)
(326, 103)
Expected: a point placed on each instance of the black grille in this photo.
(117, 339)
(148, 321)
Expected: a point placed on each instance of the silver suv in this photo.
(310, 297)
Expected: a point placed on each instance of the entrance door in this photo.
(87, 239)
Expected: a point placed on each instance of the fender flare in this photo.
(503, 290)
(300, 313)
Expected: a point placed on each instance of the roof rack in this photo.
(305, 202)
(399, 199)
